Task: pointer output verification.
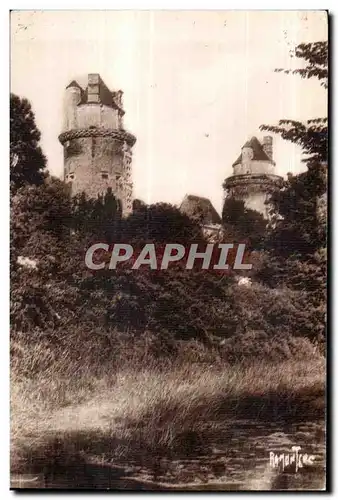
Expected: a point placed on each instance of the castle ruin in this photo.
(97, 149)
(98, 153)
(254, 176)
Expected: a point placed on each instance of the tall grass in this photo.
(141, 414)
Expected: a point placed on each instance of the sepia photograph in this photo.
(168, 250)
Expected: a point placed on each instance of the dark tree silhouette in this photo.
(243, 224)
(297, 230)
(27, 161)
(296, 241)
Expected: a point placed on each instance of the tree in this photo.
(98, 218)
(27, 161)
(160, 223)
(311, 135)
(243, 224)
(297, 237)
(36, 210)
(296, 228)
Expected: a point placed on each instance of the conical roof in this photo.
(106, 96)
(74, 83)
(258, 151)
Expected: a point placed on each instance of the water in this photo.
(237, 459)
(240, 459)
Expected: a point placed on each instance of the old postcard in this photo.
(168, 188)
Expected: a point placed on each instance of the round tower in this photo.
(72, 98)
(97, 150)
(254, 177)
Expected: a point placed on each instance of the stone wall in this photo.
(253, 189)
(93, 164)
(97, 151)
(254, 167)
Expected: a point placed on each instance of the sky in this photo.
(197, 85)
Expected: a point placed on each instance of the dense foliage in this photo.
(296, 240)
(57, 300)
(242, 224)
(27, 161)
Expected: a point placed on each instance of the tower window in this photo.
(104, 175)
(118, 177)
(71, 176)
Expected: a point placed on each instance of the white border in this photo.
(4, 176)
(170, 5)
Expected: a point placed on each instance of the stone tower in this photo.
(97, 149)
(254, 175)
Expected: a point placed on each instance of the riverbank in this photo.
(145, 416)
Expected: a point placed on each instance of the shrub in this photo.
(267, 348)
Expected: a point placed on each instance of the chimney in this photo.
(93, 88)
(268, 146)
